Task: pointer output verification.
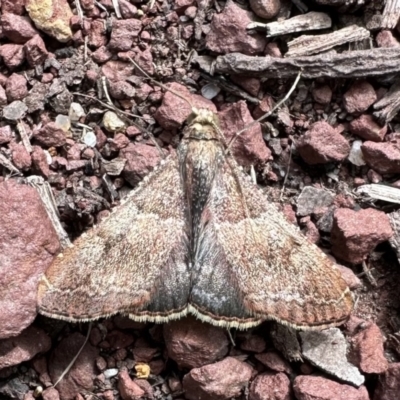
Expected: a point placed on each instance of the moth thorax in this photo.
(202, 116)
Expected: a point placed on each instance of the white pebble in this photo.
(210, 90)
(356, 156)
(63, 122)
(90, 139)
(76, 111)
(110, 373)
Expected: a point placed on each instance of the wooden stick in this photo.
(313, 44)
(391, 14)
(389, 105)
(354, 64)
(306, 22)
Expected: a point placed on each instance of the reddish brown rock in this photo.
(108, 395)
(16, 87)
(318, 388)
(145, 61)
(102, 55)
(123, 34)
(82, 373)
(266, 9)
(22, 216)
(356, 233)
(367, 350)
(174, 111)
(219, 381)
(269, 386)
(35, 51)
(128, 389)
(309, 229)
(322, 94)
(365, 127)
(50, 394)
(143, 351)
(322, 144)
(382, 157)
(251, 85)
(13, 55)
(51, 135)
(192, 343)
(140, 160)
(360, 96)
(249, 147)
(118, 339)
(97, 34)
(20, 157)
(253, 343)
(352, 280)
(128, 10)
(386, 39)
(143, 92)
(117, 70)
(272, 49)
(181, 5)
(389, 384)
(228, 32)
(17, 28)
(87, 4)
(24, 347)
(13, 6)
(119, 142)
(274, 361)
(121, 90)
(5, 134)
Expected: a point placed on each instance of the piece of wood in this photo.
(44, 190)
(389, 105)
(6, 163)
(380, 192)
(305, 22)
(313, 44)
(391, 14)
(394, 219)
(352, 64)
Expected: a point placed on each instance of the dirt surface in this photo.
(69, 97)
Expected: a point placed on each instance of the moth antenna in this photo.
(160, 84)
(69, 366)
(117, 110)
(110, 107)
(266, 115)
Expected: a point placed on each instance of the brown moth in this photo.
(197, 237)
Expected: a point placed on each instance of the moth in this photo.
(198, 237)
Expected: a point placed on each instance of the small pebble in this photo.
(112, 122)
(89, 138)
(14, 111)
(63, 122)
(356, 156)
(210, 90)
(110, 373)
(76, 111)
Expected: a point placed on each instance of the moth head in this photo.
(202, 116)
